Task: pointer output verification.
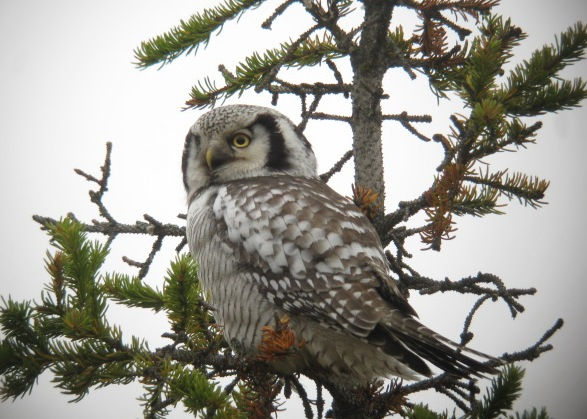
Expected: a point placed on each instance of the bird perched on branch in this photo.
(272, 240)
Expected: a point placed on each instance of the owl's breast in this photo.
(238, 306)
(204, 236)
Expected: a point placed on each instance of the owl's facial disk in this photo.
(243, 141)
(237, 154)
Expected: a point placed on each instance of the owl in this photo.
(272, 240)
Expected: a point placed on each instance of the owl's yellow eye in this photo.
(241, 140)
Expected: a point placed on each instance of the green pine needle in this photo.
(18, 380)
(132, 292)
(398, 39)
(502, 393)
(532, 414)
(16, 320)
(514, 132)
(81, 262)
(68, 331)
(182, 294)
(475, 79)
(197, 392)
(555, 96)
(421, 411)
(190, 34)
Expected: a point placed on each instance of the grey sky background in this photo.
(68, 85)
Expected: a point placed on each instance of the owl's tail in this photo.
(409, 341)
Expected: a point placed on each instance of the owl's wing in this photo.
(310, 250)
(313, 253)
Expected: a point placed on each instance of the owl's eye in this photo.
(240, 140)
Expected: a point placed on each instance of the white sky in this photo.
(68, 85)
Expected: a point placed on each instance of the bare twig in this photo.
(337, 75)
(470, 285)
(270, 76)
(319, 400)
(326, 116)
(107, 228)
(454, 397)
(111, 228)
(408, 118)
(144, 266)
(306, 115)
(466, 335)
(281, 86)
(96, 196)
(278, 11)
(537, 349)
(328, 19)
(303, 395)
(325, 177)
(449, 151)
(403, 119)
(450, 381)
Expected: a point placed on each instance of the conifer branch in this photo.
(287, 57)
(256, 69)
(454, 58)
(281, 86)
(132, 292)
(504, 390)
(530, 89)
(553, 97)
(471, 8)
(455, 397)
(319, 401)
(189, 35)
(529, 191)
(469, 285)
(107, 229)
(432, 34)
(535, 350)
(329, 19)
(476, 202)
(475, 78)
(111, 228)
(404, 117)
(516, 133)
(399, 51)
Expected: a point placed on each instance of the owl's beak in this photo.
(209, 158)
(216, 157)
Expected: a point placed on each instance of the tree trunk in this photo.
(369, 62)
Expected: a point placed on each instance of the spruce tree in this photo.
(462, 49)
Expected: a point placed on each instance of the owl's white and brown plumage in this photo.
(271, 239)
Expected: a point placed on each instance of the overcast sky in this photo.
(68, 85)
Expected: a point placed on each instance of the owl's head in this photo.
(243, 141)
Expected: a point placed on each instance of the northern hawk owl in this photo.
(271, 239)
